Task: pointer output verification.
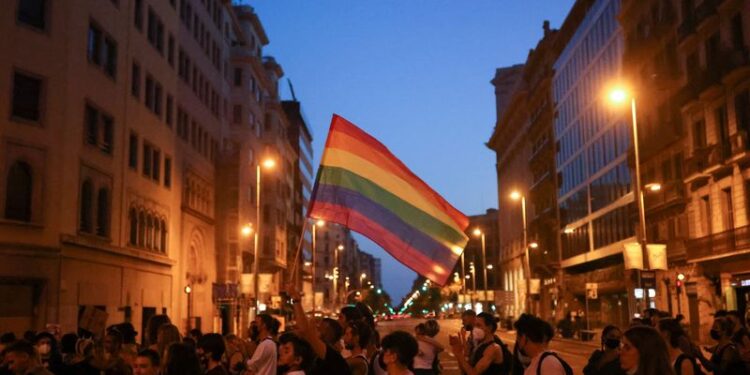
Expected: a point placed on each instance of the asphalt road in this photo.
(574, 352)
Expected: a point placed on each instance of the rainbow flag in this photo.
(362, 186)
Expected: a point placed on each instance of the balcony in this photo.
(686, 28)
(698, 160)
(671, 194)
(719, 245)
(740, 148)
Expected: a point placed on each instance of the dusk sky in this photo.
(414, 74)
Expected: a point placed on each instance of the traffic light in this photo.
(678, 284)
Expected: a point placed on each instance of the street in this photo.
(574, 352)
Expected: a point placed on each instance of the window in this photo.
(712, 50)
(102, 213)
(32, 13)
(153, 95)
(170, 50)
(18, 191)
(102, 50)
(167, 171)
(169, 117)
(155, 31)
(147, 152)
(157, 99)
(156, 163)
(135, 83)
(692, 65)
(99, 129)
(237, 114)
(133, 218)
(727, 208)
(738, 38)
(87, 192)
(138, 16)
(238, 77)
(699, 134)
(705, 216)
(27, 92)
(133, 151)
(742, 110)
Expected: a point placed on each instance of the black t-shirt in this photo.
(333, 363)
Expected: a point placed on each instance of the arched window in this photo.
(141, 228)
(18, 192)
(149, 231)
(157, 234)
(133, 216)
(102, 212)
(87, 192)
(163, 238)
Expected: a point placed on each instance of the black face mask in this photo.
(349, 346)
(468, 327)
(612, 343)
(715, 334)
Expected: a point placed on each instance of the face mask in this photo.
(468, 327)
(612, 343)
(522, 357)
(349, 346)
(44, 349)
(715, 334)
(478, 334)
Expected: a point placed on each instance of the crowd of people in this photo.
(654, 344)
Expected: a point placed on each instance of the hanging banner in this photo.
(633, 256)
(535, 286)
(657, 256)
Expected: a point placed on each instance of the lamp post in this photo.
(478, 232)
(515, 195)
(188, 291)
(473, 271)
(335, 273)
(317, 224)
(620, 95)
(361, 280)
(268, 164)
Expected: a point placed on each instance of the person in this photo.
(321, 339)
(68, 350)
(737, 319)
(210, 350)
(724, 359)
(295, 355)
(129, 349)
(108, 358)
(166, 335)
(6, 339)
(644, 352)
(195, 334)
(488, 355)
(237, 353)
(565, 326)
(181, 360)
(426, 360)
(607, 359)
(146, 363)
(532, 337)
(263, 361)
(741, 340)
(152, 331)
(49, 352)
(356, 339)
(468, 318)
(398, 351)
(22, 359)
(673, 335)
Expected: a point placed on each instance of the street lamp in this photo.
(478, 233)
(316, 224)
(361, 279)
(619, 95)
(267, 163)
(247, 230)
(336, 273)
(189, 290)
(516, 195)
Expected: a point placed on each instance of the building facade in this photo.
(127, 168)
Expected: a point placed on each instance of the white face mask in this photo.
(478, 334)
(44, 349)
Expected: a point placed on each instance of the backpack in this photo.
(678, 365)
(507, 364)
(565, 365)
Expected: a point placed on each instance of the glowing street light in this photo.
(247, 230)
(654, 186)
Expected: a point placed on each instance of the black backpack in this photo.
(565, 365)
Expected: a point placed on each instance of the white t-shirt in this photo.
(550, 366)
(425, 356)
(263, 361)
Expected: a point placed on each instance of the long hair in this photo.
(653, 358)
(152, 328)
(675, 331)
(168, 334)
